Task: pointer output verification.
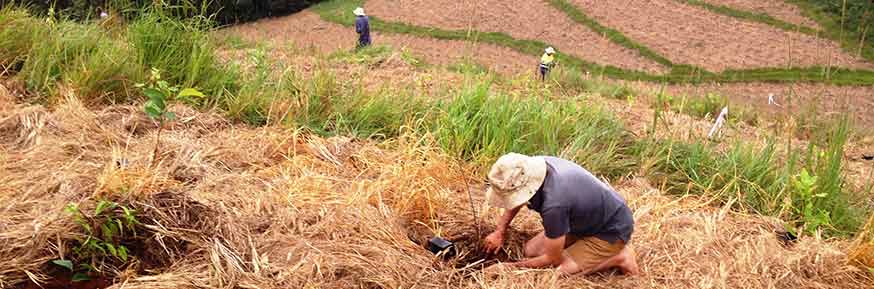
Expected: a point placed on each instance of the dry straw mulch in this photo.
(230, 206)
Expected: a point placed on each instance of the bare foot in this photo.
(628, 263)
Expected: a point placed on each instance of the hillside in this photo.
(158, 152)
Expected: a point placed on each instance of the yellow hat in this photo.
(358, 11)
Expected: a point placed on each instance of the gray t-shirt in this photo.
(573, 201)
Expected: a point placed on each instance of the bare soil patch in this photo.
(777, 9)
(534, 20)
(307, 30)
(692, 35)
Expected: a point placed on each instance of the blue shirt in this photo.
(573, 201)
(362, 26)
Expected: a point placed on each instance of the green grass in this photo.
(763, 18)
(181, 48)
(479, 126)
(705, 107)
(831, 24)
(756, 179)
(340, 12)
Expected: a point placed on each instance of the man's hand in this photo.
(494, 242)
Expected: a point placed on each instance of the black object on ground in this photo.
(786, 237)
(867, 157)
(439, 245)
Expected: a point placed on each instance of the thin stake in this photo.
(473, 210)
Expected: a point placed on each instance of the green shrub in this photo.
(105, 237)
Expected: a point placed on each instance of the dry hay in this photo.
(863, 248)
(307, 30)
(229, 206)
(777, 9)
(532, 20)
(693, 35)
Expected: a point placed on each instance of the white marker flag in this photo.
(771, 100)
(719, 121)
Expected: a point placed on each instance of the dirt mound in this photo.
(777, 9)
(276, 208)
(692, 35)
(533, 20)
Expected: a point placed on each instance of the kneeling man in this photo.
(586, 224)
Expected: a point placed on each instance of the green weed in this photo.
(103, 244)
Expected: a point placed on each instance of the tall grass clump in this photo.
(825, 162)
(479, 126)
(378, 116)
(18, 32)
(81, 56)
(806, 188)
(182, 48)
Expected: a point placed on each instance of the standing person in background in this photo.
(546, 62)
(362, 26)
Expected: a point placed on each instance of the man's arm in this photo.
(552, 248)
(495, 240)
(358, 25)
(507, 218)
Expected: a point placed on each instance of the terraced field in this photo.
(656, 41)
(777, 9)
(691, 35)
(306, 29)
(533, 20)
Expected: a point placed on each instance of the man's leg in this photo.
(625, 261)
(534, 247)
(590, 255)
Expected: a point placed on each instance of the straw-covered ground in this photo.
(224, 205)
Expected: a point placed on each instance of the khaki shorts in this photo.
(588, 252)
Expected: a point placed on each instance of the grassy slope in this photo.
(832, 28)
(339, 12)
(475, 124)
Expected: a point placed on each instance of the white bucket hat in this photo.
(514, 179)
(550, 50)
(358, 11)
